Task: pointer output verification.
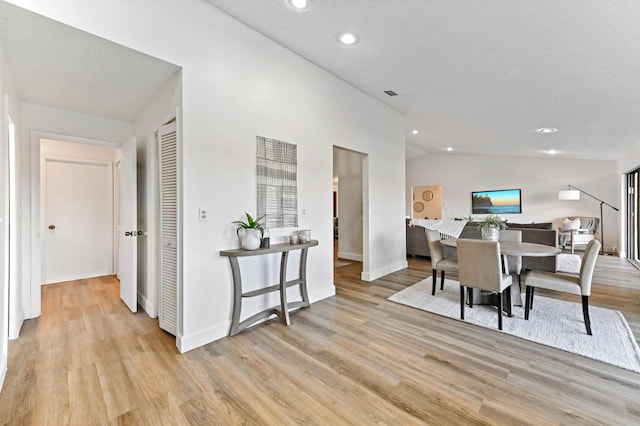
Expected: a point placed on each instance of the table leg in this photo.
(283, 289)
(303, 277)
(237, 295)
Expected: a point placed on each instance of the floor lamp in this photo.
(573, 193)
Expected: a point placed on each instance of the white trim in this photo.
(3, 370)
(350, 256)
(147, 305)
(193, 341)
(374, 275)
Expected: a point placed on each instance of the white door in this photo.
(78, 220)
(169, 271)
(127, 227)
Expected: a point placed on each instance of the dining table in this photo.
(509, 248)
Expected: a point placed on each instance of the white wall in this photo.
(626, 164)
(238, 84)
(10, 294)
(4, 219)
(539, 178)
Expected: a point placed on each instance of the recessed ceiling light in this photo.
(347, 38)
(450, 149)
(415, 132)
(299, 4)
(552, 152)
(546, 130)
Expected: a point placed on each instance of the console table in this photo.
(283, 312)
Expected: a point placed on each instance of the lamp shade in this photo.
(570, 194)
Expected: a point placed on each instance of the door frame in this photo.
(33, 268)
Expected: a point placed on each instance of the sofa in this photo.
(539, 233)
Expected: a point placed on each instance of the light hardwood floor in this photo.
(351, 359)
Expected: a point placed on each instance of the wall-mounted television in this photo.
(503, 201)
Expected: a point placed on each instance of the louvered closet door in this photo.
(168, 225)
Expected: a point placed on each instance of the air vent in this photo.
(390, 93)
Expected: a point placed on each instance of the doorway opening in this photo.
(70, 154)
(633, 219)
(348, 219)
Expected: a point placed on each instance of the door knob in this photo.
(127, 234)
(52, 227)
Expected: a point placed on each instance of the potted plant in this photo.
(491, 226)
(249, 232)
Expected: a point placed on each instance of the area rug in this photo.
(552, 322)
(569, 263)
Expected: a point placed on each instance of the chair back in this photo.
(588, 265)
(435, 247)
(479, 264)
(515, 262)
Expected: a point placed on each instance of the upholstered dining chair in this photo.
(480, 267)
(514, 262)
(438, 261)
(579, 285)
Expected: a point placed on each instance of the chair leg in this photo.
(470, 295)
(499, 311)
(509, 306)
(434, 276)
(442, 280)
(528, 298)
(533, 291)
(461, 302)
(585, 313)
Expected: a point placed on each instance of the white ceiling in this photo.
(59, 66)
(479, 76)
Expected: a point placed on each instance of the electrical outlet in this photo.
(202, 213)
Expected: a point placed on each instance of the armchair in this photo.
(577, 231)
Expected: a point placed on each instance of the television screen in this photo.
(504, 201)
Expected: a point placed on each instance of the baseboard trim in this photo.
(14, 333)
(194, 341)
(147, 306)
(201, 338)
(374, 275)
(350, 256)
(3, 371)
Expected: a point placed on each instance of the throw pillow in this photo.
(569, 224)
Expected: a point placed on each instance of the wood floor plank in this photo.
(355, 358)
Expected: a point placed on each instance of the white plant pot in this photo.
(490, 234)
(251, 239)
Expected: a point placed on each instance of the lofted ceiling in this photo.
(476, 76)
(59, 66)
(479, 76)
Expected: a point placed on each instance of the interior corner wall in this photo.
(164, 106)
(16, 299)
(540, 179)
(4, 210)
(238, 84)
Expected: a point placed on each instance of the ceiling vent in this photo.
(390, 93)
